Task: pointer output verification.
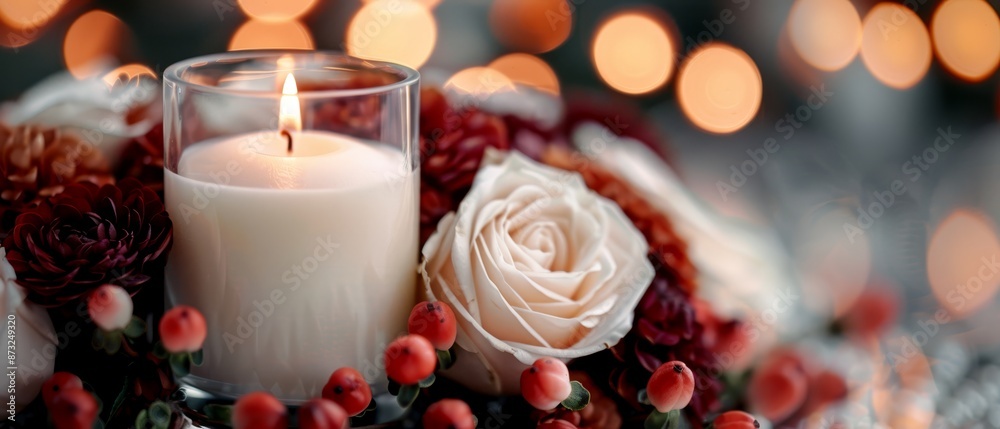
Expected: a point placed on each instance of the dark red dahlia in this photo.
(87, 236)
(454, 143)
(665, 329)
(434, 204)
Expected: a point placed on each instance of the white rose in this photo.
(534, 264)
(742, 269)
(34, 337)
(88, 109)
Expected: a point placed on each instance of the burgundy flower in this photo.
(434, 204)
(666, 329)
(87, 236)
(453, 143)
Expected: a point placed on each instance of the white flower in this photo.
(534, 264)
(90, 110)
(742, 269)
(33, 335)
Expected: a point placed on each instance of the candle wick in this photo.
(287, 135)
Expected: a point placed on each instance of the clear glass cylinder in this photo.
(295, 210)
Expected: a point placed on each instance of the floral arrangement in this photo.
(569, 280)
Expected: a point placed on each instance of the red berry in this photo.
(449, 414)
(58, 383)
(873, 313)
(110, 307)
(73, 409)
(348, 389)
(825, 387)
(322, 413)
(671, 386)
(259, 410)
(409, 359)
(183, 329)
(735, 420)
(777, 391)
(556, 424)
(436, 322)
(546, 383)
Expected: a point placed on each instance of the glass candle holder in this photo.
(293, 185)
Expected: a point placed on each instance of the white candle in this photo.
(301, 261)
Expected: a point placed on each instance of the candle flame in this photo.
(289, 111)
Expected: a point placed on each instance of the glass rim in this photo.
(407, 76)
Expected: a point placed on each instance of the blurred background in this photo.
(864, 131)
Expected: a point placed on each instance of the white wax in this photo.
(301, 264)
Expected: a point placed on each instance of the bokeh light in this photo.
(255, 34)
(966, 37)
(127, 72)
(392, 30)
(895, 46)
(275, 10)
(94, 36)
(959, 259)
(719, 88)
(527, 70)
(479, 81)
(532, 26)
(825, 33)
(633, 53)
(428, 3)
(28, 15)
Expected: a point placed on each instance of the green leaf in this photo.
(198, 357)
(159, 413)
(159, 351)
(180, 364)
(644, 397)
(407, 394)
(98, 424)
(119, 400)
(141, 419)
(97, 341)
(135, 328)
(394, 388)
(112, 342)
(578, 398)
(427, 382)
(446, 359)
(668, 420)
(218, 412)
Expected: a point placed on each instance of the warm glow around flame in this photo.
(289, 110)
